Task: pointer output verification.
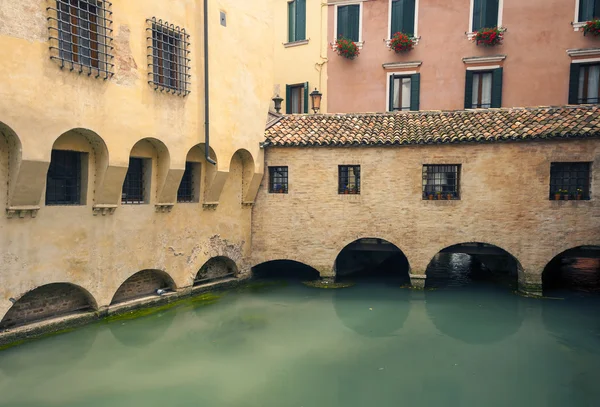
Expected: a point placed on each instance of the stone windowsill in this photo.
(389, 41)
(296, 43)
(579, 25)
(334, 45)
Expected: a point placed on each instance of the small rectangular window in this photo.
(297, 98)
(63, 182)
(296, 20)
(482, 90)
(134, 186)
(589, 84)
(81, 34)
(485, 14)
(570, 179)
(403, 17)
(349, 179)
(441, 181)
(187, 191)
(589, 10)
(400, 93)
(348, 22)
(169, 56)
(278, 180)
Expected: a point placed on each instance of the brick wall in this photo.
(48, 301)
(141, 284)
(504, 201)
(216, 267)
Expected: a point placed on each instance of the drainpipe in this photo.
(206, 99)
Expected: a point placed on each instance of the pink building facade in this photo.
(544, 59)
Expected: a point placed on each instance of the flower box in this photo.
(346, 48)
(592, 28)
(489, 37)
(401, 42)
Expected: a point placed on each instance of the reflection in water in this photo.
(142, 331)
(575, 271)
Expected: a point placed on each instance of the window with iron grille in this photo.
(570, 179)
(187, 188)
(278, 180)
(168, 57)
(349, 179)
(63, 182)
(134, 188)
(81, 36)
(441, 181)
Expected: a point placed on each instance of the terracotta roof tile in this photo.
(435, 127)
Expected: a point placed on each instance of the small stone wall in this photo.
(141, 284)
(45, 302)
(217, 267)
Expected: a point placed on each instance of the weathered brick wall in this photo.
(48, 301)
(217, 267)
(143, 283)
(504, 201)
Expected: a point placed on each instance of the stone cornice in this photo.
(402, 65)
(483, 60)
(582, 52)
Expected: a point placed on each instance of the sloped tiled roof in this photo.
(435, 127)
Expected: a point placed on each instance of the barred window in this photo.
(441, 181)
(168, 58)
(81, 36)
(134, 188)
(570, 179)
(349, 179)
(278, 180)
(63, 182)
(187, 191)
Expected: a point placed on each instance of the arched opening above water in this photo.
(575, 270)
(466, 263)
(48, 301)
(372, 258)
(142, 284)
(284, 270)
(217, 268)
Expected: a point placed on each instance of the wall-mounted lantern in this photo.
(277, 100)
(316, 100)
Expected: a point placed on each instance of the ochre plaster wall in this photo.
(504, 201)
(536, 68)
(39, 102)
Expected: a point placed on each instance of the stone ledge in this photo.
(21, 211)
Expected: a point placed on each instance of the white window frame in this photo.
(500, 8)
(360, 20)
(389, 30)
(387, 86)
(577, 25)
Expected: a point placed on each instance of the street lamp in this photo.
(316, 100)
(277, 100)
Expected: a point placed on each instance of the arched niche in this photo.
(48, 301)
(78, 164)
(149, 163)
(142, 284)
(372, 258)
(242, 167)
(217, 268)
(575, 270)
(283, 269)
(463, 263)
(198, 173)
(10, 159)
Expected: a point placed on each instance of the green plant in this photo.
(346, 48)
(401, 42)
(592, 27)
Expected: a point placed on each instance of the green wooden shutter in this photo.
(478, 14)
(300, 20)
(596, 13)
(288, 99)
(291, 21)
(353, 22)
(391, 98)
(306, 97)
(408, 17)
(491, 13)
(342, 21)
(469, 90)
(574, 84)
(497, 87)
(415, 91)
(396, 25)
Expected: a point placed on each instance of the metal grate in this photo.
(185, 193)
(63, 182)
(168, 57)
(349, 179)
(570, 179)
(441, 181)
(80, 36)
(133, 186)
(278, 180)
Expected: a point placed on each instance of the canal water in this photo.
(466, 342)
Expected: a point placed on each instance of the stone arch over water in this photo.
(142, 284)
(216, 268)
(463, 263)
(575, 269)
(285, 269)
(48, 301)
(372, 258)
